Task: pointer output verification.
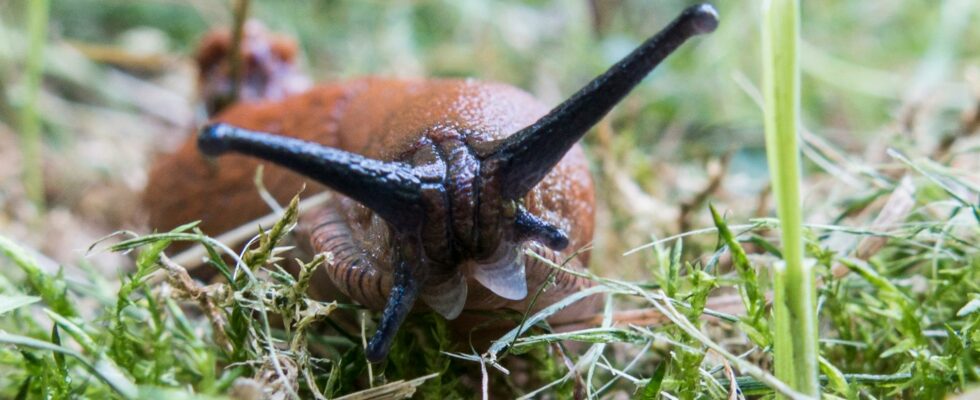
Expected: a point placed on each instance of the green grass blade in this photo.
(104, 369)
(10, 303)
(52, 289)
(652, 389)
(795, 337)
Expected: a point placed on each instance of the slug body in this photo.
(442, 185)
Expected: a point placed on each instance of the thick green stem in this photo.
(795, 340)
(795, 337)
(30, 125)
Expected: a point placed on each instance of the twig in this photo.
(716, 172)
(182, 281)
(729, 304)
(235, 55)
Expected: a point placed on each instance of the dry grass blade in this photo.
(726, 304)
(892, 214)
(399, 389)
(205, 297)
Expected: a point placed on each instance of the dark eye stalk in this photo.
(530, 227)
(352, 175)
(517, 165)
(527, 156)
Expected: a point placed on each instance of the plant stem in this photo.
(795, 338)
(30, 128)
(235, 55)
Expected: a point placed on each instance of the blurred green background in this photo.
(860, 58)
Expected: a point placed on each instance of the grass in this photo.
(795, 338)
(163, 334)
(890, 213)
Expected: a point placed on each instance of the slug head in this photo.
(414, 202)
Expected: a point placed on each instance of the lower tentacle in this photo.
(400, 303)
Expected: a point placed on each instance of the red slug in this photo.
(441, 185)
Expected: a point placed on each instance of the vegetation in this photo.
(888, 111)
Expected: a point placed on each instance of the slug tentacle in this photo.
(523, 159)
(390, 189)
(530, 227)
(405, 289)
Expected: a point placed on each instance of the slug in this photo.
(268, 67)
(441, 185)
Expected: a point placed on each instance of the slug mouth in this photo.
(448, 297)
(503, 273)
